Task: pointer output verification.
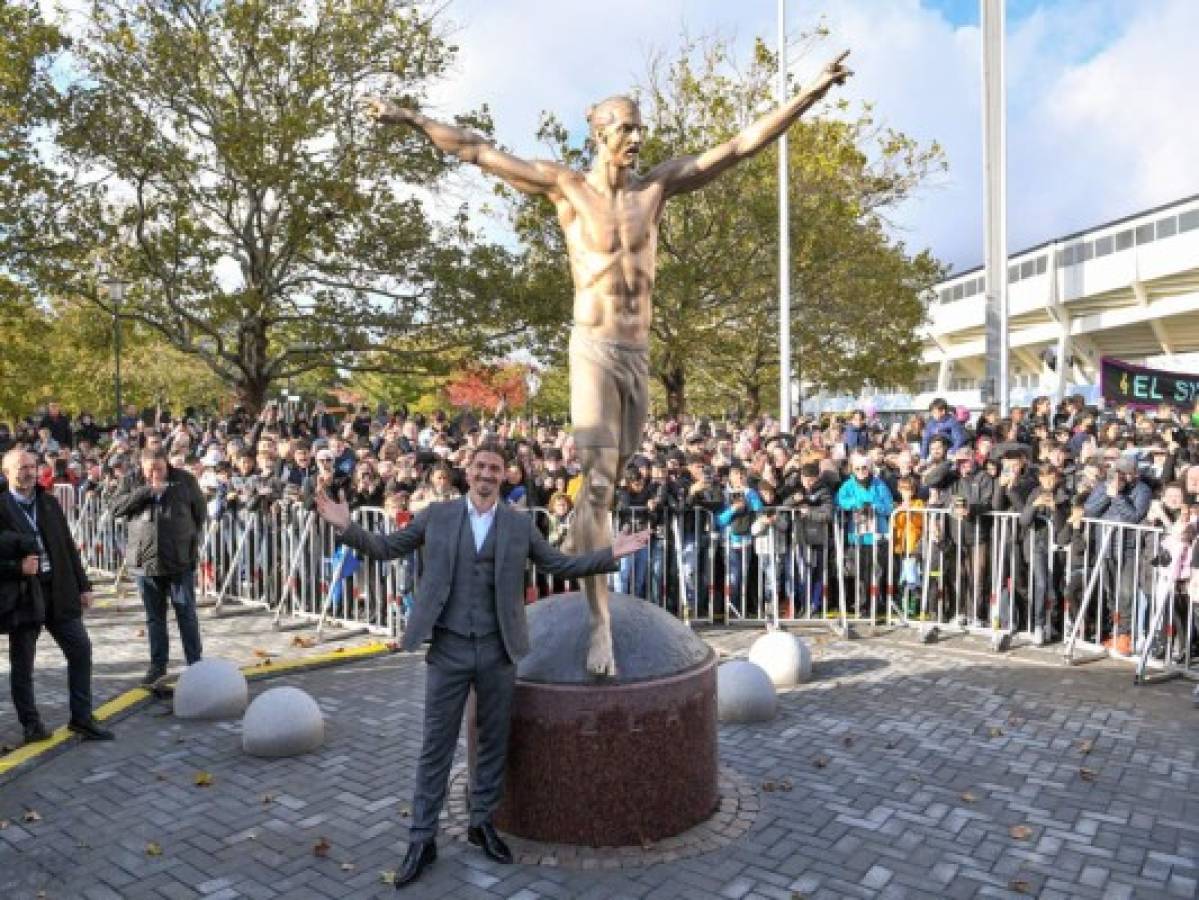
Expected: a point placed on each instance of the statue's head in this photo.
(616, 130)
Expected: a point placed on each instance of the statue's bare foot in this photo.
(600, 660)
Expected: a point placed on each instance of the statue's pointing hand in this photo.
(836, 72)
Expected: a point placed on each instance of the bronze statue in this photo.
(610, 218)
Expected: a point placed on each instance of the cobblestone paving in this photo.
(121, 652)
(916, 771)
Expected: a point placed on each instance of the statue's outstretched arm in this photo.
(529, 176)
(687, 173)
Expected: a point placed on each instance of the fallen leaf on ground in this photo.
(1020, 886)
(339, 650)
(301, 640)
(847, 740)
(768, 786)
(891, 745)
(3, 824)
(786, 784)
(31, 815)
(1015, 720)
(970, 797)
(1020, 832)
(141, 632)
(405, 810)
(347, 867)
(321, 848)
(203, 779)
(267, 798)
(820, 761)
(263, 654)
(388, 877)
(153, 849)
(1088, 774)
(1085, 747)
(994, 731)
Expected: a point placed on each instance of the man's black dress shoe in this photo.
(35, 732)
(91, 730)
(488, 838)
(421, 855)
(154, 674)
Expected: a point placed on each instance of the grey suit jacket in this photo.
(516, 540)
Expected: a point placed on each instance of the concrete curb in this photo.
(26, 758)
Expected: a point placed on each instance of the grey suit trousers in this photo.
(454, 664)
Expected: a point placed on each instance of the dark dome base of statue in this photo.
(611, 762)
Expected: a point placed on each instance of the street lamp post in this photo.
(115, 288)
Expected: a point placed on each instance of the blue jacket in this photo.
(852, 495)
(1128, 507)
(724, 518)
(948, 426)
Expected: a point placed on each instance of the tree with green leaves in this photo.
(259, 222)
(29, 47)
(715, 325)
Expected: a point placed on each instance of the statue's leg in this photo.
(592, 530)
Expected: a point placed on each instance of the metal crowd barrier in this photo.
(986, 574)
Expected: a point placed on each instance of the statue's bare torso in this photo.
(612, 244)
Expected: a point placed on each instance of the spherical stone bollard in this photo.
(284, 721)
(785, 658)
(744, 693)
(211, 689)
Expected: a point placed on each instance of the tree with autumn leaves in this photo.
(493, 389)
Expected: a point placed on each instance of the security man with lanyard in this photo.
(65, 592)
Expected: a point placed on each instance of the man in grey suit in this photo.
(470, 604)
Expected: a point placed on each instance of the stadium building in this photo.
(1127, 289)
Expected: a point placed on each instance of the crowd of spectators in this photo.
(762, 492)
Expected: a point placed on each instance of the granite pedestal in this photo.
(611, 762)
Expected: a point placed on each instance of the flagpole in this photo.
(784, 241)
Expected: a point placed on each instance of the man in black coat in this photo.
(166, 512)
(65, 592)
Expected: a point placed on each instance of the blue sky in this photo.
(1100, 92)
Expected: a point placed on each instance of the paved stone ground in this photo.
(121, 652)
(917, 771)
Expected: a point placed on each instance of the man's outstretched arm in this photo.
(687, 173)
(529, 176)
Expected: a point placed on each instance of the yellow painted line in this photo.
(32, 751)
(131, 698)
(365, 651)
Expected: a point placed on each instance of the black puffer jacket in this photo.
(20, 595)
(164, 534)
(814, 510)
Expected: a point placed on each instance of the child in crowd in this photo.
(906, 545)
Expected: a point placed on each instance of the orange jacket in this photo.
(907, 529)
